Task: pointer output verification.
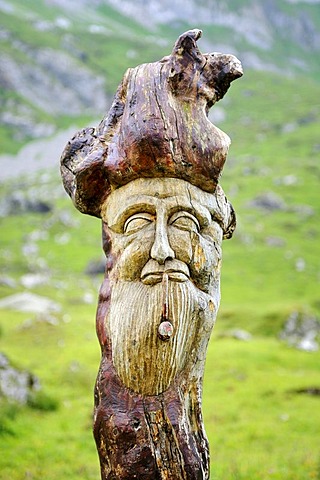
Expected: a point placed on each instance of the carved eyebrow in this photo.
(199, 211)
(143, 204)
(148, 204)
(137, 216)
(184, 214)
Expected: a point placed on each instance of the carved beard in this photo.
(145, 363)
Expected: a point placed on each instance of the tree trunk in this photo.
(151, 171)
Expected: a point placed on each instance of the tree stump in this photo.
(150, 171)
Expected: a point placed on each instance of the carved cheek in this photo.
(180, 242)
(133, 252)
(200, 258)
(206, 260)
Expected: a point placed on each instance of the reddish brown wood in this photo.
(157, 127)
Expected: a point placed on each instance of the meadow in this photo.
(261, 420)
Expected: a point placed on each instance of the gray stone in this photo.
(277, 242)
(238, 334)
(7, 281)
(39, 319)
(96, 267)
(241, 334)
(301, 331)
(16, 385)
(304, 211)
(18, 203)
(29, 302)
(268, 201)
(31, 280)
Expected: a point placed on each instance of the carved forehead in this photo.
(170, 192)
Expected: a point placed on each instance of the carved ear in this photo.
(224, 213)
(231, 223)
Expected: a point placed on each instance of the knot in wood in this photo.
(165, 331)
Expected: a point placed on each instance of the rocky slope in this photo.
(259, 23)
(62, 59)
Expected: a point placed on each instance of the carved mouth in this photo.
(176, 273)
(156, 277)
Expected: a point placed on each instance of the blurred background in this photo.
(61, 62)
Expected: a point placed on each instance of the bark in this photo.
(157, 128)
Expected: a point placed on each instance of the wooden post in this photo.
(150, 171)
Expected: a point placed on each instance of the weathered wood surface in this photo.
(150, 171)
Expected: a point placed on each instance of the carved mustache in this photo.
(152, 272)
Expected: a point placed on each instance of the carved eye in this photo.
(137, 222)
(185, 221)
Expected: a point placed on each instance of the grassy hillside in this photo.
(259, 426)
(274, 125)
(48, 47)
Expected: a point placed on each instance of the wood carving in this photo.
(150, 171)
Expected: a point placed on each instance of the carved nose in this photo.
(161, 250)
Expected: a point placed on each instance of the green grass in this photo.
(22, 28)
(258, 427)
(124, 42)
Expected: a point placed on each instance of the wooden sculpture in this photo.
(150, 171)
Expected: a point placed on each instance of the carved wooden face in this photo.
(165, 225)
(163, 231)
